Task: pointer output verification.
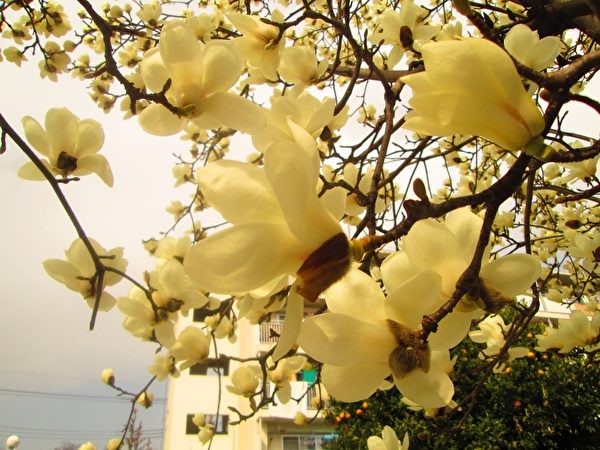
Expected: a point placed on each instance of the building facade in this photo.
(197, 390)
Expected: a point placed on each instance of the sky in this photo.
(50, 362)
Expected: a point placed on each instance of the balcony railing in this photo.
(269, 331)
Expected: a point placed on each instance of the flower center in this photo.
(411, 353)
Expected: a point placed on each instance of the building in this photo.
(272, 428)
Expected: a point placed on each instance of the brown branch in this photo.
(55, 185)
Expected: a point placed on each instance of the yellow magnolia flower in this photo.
(299, 65)
(200, 76)
(258, 42)
(525, 46)
(78, 271)
(245, 380)
(403, 30)
(472, 87)
(71, 146)
(365, 337)
(388, 441)
(280, 226)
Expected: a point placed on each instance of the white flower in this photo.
(71, 146)
(280, 226)
(280, 376)
(146, 399)
(13, 441)
(206, 433)
(78, 271)
(87, 446)
(447, 248)
(191, 347)
(388, 441)
(244, 381)
(366, 337)
(392, 24)
(200, 76)
(472, 87)
(150, 12)
(577, 331)
(299, 65)
(175, 290)
(163, 366)
(526, 47)
(294, 116)
(491, 332)
(108, 377)
(259, 43)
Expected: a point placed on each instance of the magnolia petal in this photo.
(353, 382)
(410, 301)
(544, 53)
(338, 339)
(36, 135)
(397, 269)
(178, 43)
(486, 68)
(105, 304)
(284, 393)
(334, 200)
(390, 438)
(97, 164)
(321, 117)
(432, 389)
(63, 272)
(466, 226)
(61, 128)
(269, 63)
(172, 277)
(29, 171)
(270, 288)
(447, 112)
(357, 295)
(430, 245)
(165, 333)
(221, 66)
(79, 255)
(291, 325)
(90, 137)
(290, 171)
(243, 257)
(153, 70)
(114, 259)
(519, 40)
(239, 191)
(234, 111)
(376, 443)
(513, 274)
(453, 328)
(159, 121)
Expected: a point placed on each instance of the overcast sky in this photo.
(46, 344)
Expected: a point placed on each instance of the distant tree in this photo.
(134, 438)
(544, 400)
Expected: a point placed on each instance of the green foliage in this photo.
(544, 401)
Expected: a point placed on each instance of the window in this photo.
(211, 367)
(303, 442)
(220, 422)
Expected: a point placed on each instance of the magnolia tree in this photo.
(407, 162)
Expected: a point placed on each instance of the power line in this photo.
(66, 396)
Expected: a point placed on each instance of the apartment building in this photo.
(272, 428)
